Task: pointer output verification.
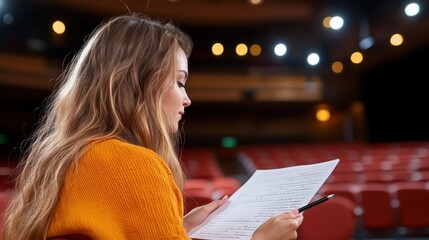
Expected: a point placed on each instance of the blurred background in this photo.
(252, 79)
(273, 83)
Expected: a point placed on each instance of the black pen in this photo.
(312, 204)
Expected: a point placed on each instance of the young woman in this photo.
(102, 163)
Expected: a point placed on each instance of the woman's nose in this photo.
(187, 101)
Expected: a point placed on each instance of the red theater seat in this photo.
(331, 220)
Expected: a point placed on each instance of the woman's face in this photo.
(176, 98)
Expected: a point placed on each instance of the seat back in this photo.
(376, 202)
(413, 200)
(331, 220)
(347, 190)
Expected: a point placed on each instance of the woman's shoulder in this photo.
(116, 150)
(117, 146)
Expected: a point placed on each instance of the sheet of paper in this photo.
(267, 193)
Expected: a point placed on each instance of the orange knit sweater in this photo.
(119, 191)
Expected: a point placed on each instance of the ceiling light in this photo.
(412, 9)
(255, 2)
(396, 39)
(280, 49)
(313, 59)
(336, 22)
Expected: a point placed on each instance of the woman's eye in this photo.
(180, 84)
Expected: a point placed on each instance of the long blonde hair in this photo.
(112, 88)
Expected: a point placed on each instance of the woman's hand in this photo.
(283, 226)
(197, 215)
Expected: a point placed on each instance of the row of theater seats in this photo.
(389, 209)
(358, 163)
(202, 191)
(206, 180)
(388, 183)
(379, 182)
(367, 182)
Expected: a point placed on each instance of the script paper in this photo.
(267, 193)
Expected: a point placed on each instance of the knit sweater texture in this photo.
(119, 191)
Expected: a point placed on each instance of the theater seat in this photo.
(331, 220)
(413, 200)
(378, 211)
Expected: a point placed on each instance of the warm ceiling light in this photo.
(323, 115)
(255, 50)
(326, 21)
(255, 2)
(241, 49)
(337, 67)
(217, 49)
(356, 57)
(59, 27)
(396, 39)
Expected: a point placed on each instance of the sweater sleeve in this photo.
(119, 191)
